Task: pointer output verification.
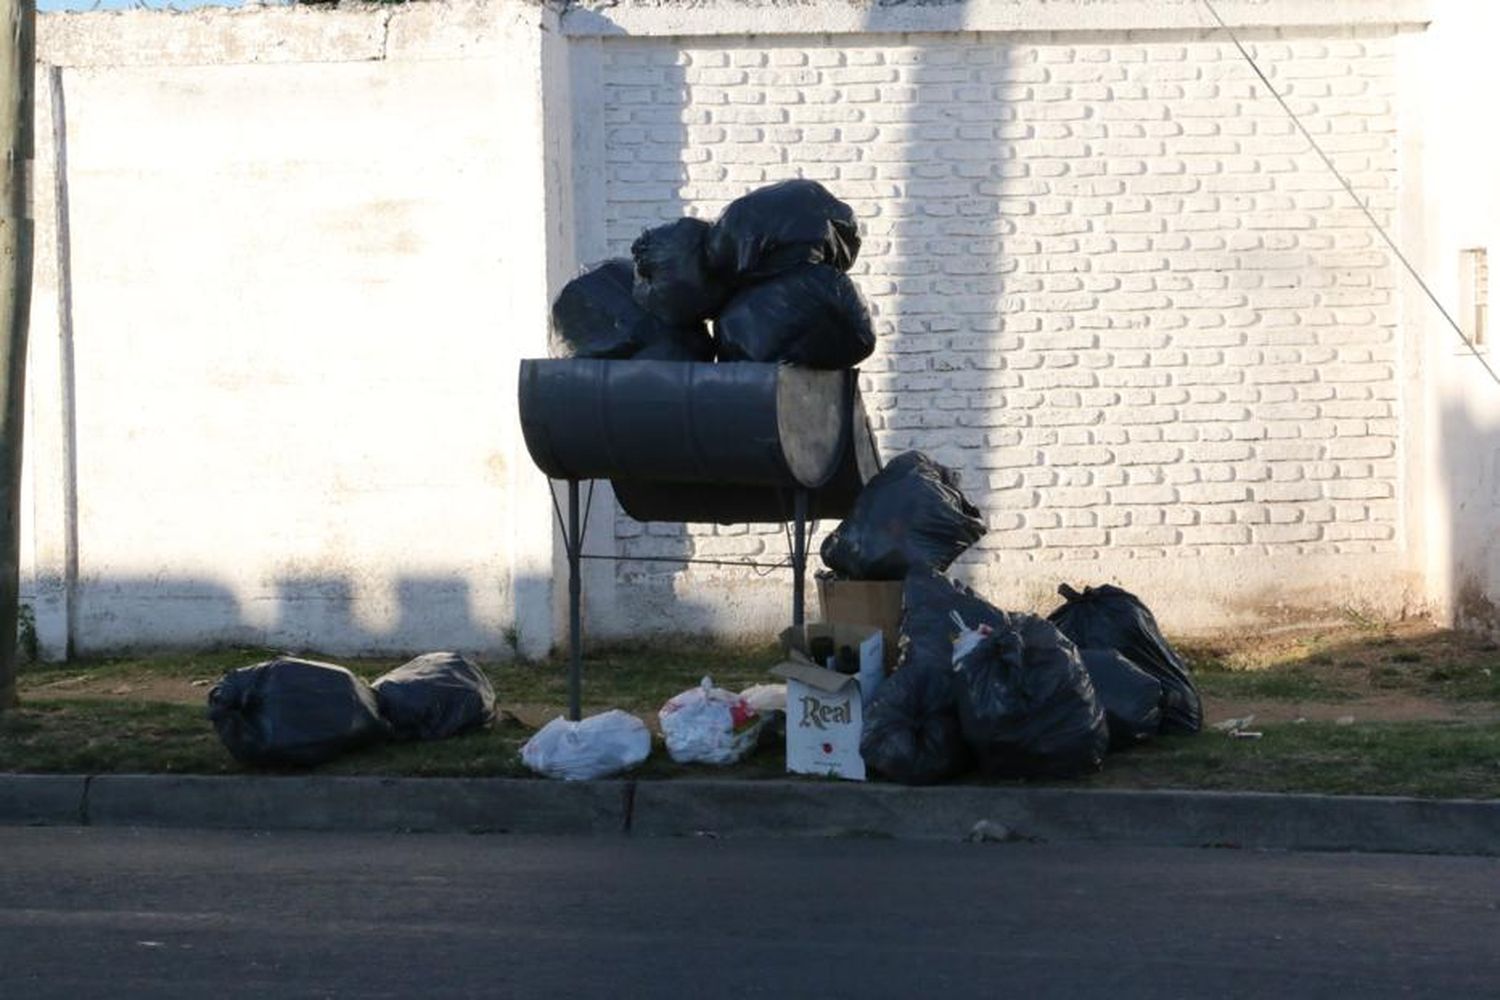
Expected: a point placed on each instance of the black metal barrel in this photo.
(709, 503)
(741, 424)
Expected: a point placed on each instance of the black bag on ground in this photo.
(1110, 618)
(929, 601)
(293, 713)
(911, 732)
(672, 280)
(1131, 698)
(596, 316)
(811, 316)
(1026, 705)
(777, 227)
(435, 696)
(909, 516)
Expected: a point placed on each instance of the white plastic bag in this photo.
(967, 638)
(595, 747)
(708, 725)
(765, 698)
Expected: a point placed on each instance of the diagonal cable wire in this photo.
(1349, 188)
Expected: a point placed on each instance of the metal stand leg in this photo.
(574, 544)
(799, 558)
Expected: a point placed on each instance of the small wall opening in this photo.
(1474, 303)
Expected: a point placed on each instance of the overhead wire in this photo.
(1349, 188)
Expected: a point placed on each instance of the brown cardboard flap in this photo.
(794, 640)
(873, 602)
(827, 681)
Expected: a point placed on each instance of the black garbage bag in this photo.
(1026, 705)
(1110, 618)
(911, 732)
(777, 227)
(929, 600)
(288, 712)
(1131, 698)
(596, 316)
(909, 516)
(672, 280)
(435, 696)
(811, 316)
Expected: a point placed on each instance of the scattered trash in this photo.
(777, 227)
(1130, 697)
(929, 600)
(988, 832)
(769, 702)
(911, 731)
(812, 316)
(1026, 705)
(596, 316)
(435, 696)
(765, 698)
(1230, 725)
(966, 638)
(289, 712)
(1245, 734)
(1299, 720)
(1344, 720)
(1110, 618)
(672, 280)
(911, 516)
(595, 747)
(708, 725)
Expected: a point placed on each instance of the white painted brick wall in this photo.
(1112, 284)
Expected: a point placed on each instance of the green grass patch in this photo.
(1425, 759)
(1291, 683)
(73, 720)
(95, 736)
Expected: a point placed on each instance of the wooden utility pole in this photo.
(17, 72)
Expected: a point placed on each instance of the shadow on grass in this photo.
(60, 733)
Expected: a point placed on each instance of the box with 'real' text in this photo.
(824, 708)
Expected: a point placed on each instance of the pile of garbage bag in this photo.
(1108, 618)
(911, 516)
(770, 275)
(597, 316)
(1016, 695)
(290, 712)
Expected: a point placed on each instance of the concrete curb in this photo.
(756, 809)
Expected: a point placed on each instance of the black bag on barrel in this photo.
(596, 316)
(777, 227)
(672, 280)
(811, 316)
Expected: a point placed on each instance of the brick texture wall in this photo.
(1113, 285)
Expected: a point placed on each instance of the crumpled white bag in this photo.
(596, 747)
(708, 725)
(765, 698)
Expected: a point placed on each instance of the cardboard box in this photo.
(824, 720)
(824, 708)
(876, 603)
(867, 641)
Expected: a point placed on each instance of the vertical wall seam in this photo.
(67, 370)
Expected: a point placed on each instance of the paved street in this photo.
(134, 913)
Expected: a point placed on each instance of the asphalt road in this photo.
(137, 913)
